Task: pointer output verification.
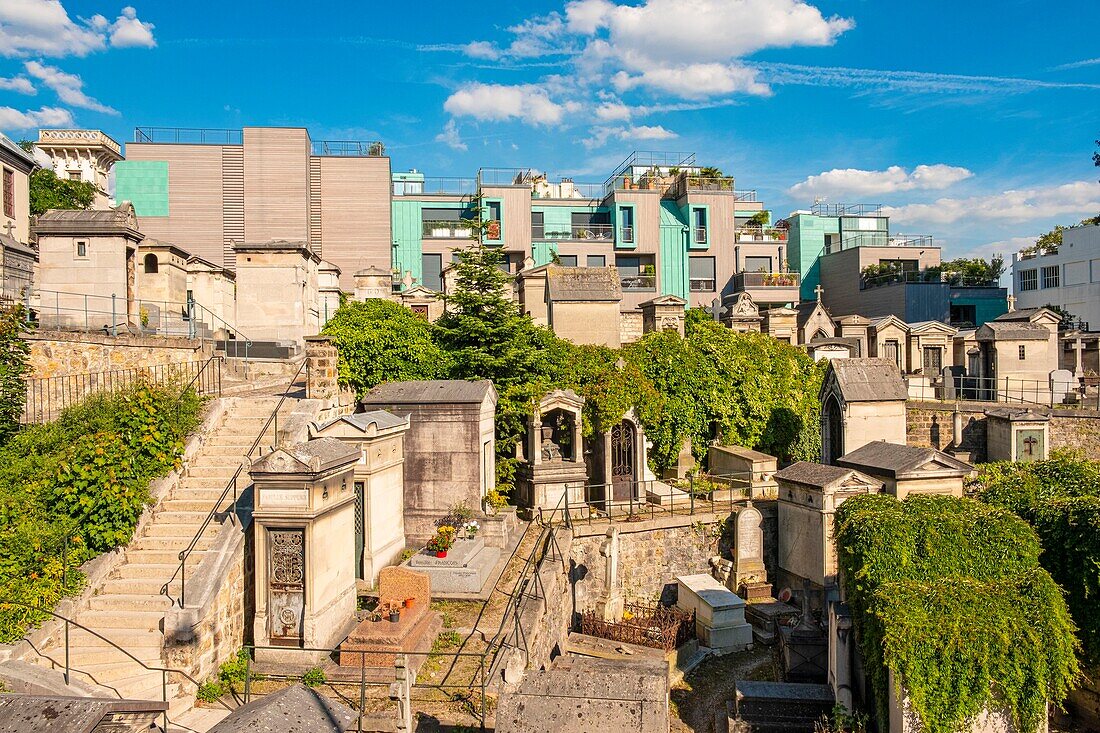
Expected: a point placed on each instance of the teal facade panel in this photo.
(674, 251)
(806, 245)
(144, 183)
(408, 244)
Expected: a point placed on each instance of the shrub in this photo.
(314, 677)
(234, 671)
(210, 691)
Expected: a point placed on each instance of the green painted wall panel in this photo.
(673, 257)
(542, 252)
(806, 245)
(408, 247)
(144, 183)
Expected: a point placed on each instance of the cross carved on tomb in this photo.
(9, 227)
(1029, 445)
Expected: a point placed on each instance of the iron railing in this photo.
(192, 135)
(508, 176)
(112, 315)
(761, 234)
(68, 663)
(447, 229)
(687, 183)
(879, 238)
(656, 627)
(821, 208)
(1046, 392)
(436, 186)
(231, 486)
(745, 195)
(48, 396)
(931, 276)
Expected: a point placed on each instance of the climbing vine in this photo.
(947, 595)
(1060, 498)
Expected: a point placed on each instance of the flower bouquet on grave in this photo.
(443, 540)
(470, 529)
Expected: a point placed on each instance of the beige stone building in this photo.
(862, 400)
(82, 155)
(1018, 351)
(87, 276)
(277, 291)
(579, 303)
(888, 338)
(213, 290)
(18, 258)
(906, 469)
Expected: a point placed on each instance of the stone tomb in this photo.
(719, 614)
(1014, 434)
(862, 400)
(466, 568)
(748, 575)
(304, 516)
(376, 643)
(552, 455)
(909, 469)
(747, 472)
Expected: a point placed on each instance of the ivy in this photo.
(13, 369)
(78, 486)
(1060, 498)
(948, 595)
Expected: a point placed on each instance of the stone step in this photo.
(128, 639)
(218, 473)
(153, 570)
(181, 519)
(175, 544)
(132, 586)
(110, 673)
(175, 530)
(192, 503)
(130, 602)
(143, 685)
(90, 658)
(162, 557)
(105, 621)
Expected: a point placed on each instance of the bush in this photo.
(948, 595)
(79, 485)
(210, 691)
(314, 677)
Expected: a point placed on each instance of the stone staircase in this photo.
(129, 608)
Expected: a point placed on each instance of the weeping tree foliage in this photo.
(1060, 498)
(948, 595)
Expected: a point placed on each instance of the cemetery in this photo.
(704, 530)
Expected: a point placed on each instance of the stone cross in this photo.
(716, 309)
(8, 227)
(1011, 301)
(1029, 444)
(610, 550)
(818, 291)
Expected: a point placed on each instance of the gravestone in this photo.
(1062, 384)
(378, 643)
(612, 596)
(749, 575)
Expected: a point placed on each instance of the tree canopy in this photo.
(47, 191)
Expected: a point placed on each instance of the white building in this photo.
(1068, 278)
(82, 155)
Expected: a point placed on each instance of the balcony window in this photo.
(699, 225)
(446, 223)
(1050, 276)
(538, 225)
(701, 274)
(636, 273)
(9, 193)
(591, 225)
(596, 261)
(758, 264)
(1029, 280)
(494, 228)
(626, 218)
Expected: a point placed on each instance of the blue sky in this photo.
(973, 121)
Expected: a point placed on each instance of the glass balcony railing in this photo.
(638, 283)
(746, 280)
(447, 230)
(761, 234)
(701, 285)
(579, 232)
(436, 186)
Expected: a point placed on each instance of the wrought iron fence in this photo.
(1049, 392)
(48, 396)
(656, 627)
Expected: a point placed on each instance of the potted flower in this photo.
(441, 542)
(470, 529)
(395, 614)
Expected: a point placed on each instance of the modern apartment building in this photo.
(1068, 277)
(833, 245)
(667, 227)
(206, 190)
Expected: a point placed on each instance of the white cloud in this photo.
(613, 112)
(1078, 64)
(481, 50)
(129, 32)
(527, 102)
(44, 28)
(19, 84)
(585, 16)
(13, 119)
(69, 87)
(1081, 198)
(902, 81)
(695, 81)
(853, 181)
(450, 136)
(598, 136)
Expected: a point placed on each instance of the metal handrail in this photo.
(164, 671)
(232, 508)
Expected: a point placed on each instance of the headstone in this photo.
(1062, 383)
(749, 573)
(378, 643)
(613, 602)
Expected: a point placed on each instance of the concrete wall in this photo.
(169, 283)
(587, 323)
(99, 274)
(276, 295)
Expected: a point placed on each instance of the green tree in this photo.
(13, 370)
(381, 341)
(47, 191)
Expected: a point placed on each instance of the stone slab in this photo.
(661, 494)
(461, 555)
(719, 613)
(465, 573)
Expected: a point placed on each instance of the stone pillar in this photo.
(840, 653)
(401, 692)
(321, 372)
(612, 596)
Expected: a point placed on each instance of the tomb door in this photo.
(1029, 445)
(832, 441)
(624, 460)
(360, 526)
(286, 585)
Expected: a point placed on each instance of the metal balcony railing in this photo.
(348, 148)
(580, 232)
(748, 195)
(745, 280)
(558, 191)
(880, 239)
(700, 235)
(930, 276)
(447, 229)
(626, 235)
(823, 209)
(508, 176)
(761, 234)
(638, 282)
(436, 186)
(192, 135)
(687, 183)
(701, 284)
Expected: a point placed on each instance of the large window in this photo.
(758, 264)
(699, 225)
(431, 271)
(443, 223)
(567, 260)
(701, 274)
(636, 273)
(1050, 276)
(596, 261)
(9, 193)
(1029, 280)
(538, 225)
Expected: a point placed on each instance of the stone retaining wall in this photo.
(61, 353)
(545, 620)
(630, 326)
(931, 424)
